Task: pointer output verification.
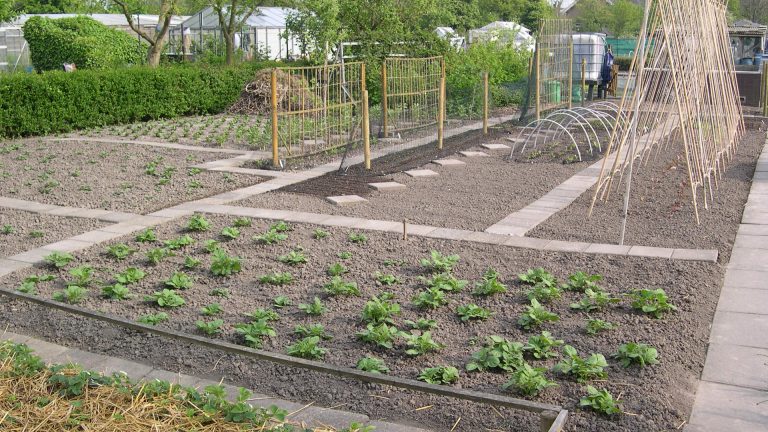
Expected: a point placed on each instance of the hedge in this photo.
(53, 102)
(80, 40)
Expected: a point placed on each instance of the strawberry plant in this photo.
(535, 315)
(209, 327)
(582, 369)
(444, 282)
(219, 292)
(211, 246)
(198, 223)
(281, 302)
(344, 255)
(594, 300)
(191, 263)
(58, 259)
(358, 238)
(120, 251)
(379, 309)
(473, 312)
(639, 354)
(314, 308)
(652, 302)
(153, 319)
(381, 335)
(336, 269)
(372, 365)
(498, 353)
(179, 242)
(230, 233)
(116, 292)
(154, 256)
(146, 236)
(437, 263)
(439, 375)
(293, 258)
(528, 380)
(280, 227)
(166, 298)
(129, 276)
(337, 286)
(277, 278)
(431, 298)
(224, 265)
(490, 284)
(594, 326)
(307, 348)
(386, 279)
(419, 344)
(179, 281)
(262, 314)
(599, 400)
(320, 234)
(543, 293)
(421, 324)
(540, 347)
(242, 222)
(538, 276)
(313, 330)
(71, 294)
(211, 310)
(581, 281)
(83, 275)
(255, 332)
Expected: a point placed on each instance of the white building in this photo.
(504, 32)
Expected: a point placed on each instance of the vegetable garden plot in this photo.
(21, 231)
(272, 293)
(125, 177)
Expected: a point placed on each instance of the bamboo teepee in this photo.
(682, 87)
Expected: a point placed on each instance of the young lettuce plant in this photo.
(594, 300)
(535, 315)
(230, 233)
(166, 298)
(281, 227)
(543, 293)
(294, 257)
(444, 282)
(595, 326)
(179, 281)
(179, 242)
(191, 263)
(439, 375)
(538, 276)
(131, 275)
(336, 269)
(473, 312)
(386, 279)
(262, 314)
(307, 348)
(120, 251)
(146, 236)
(381, 335)
(582, 369)
(281, 301)
(581, 281)
(599, 400)
(541, 346)
(211, 310)
(372, 365)
(154, 256)
(72, 294)
(379, 309)
(420, 344)
(242, 222)
(198, 223)
(209, 327)
(58, 259)
(639, 354)
(437, 263)
(421, 324)
(255, 332)
(358, 238)
(153, 319)
(337, 286)
(83, 275)
(117, 291)
(431, 298)
(490, 284)
(313, 330)
(652, 302)
(277, 278)
(498, 353)
(219, 292)
(315, 308)
(528, 380)
(225, 265)
(270, 237)
(320, 234)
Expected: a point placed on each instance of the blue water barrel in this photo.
(746, 61)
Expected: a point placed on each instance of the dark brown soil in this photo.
(656, 398)
(661, 212)
(108, 176)
(32, 230)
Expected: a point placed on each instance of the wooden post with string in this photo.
(485, 103)
(275, 156)
(583, 81)
(570, 73)
(538, 76)
(384, 106)
(441, 106)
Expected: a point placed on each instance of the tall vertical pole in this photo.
(765, 89)
(639, 99)
(538, 83)
(583, 81)
(485, 103)
(275, 158)
(441, 106)
(366, 132)
(570, 73)
(384, 104)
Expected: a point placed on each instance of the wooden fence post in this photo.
(275, 156)
(384, 105)
(485, 103)
(366, 132)
(538, 83)
(441, 106)
(584, 81)
(570, 75)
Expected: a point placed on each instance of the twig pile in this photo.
(256, 97)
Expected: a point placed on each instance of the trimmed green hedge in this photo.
(56, 102)
(80, 40)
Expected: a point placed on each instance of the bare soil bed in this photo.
(656, 397)
(121, 177)
(661, 212)
(32, 230)
(471, 196)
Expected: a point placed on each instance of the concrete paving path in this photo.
(733, 391)
(307, 415)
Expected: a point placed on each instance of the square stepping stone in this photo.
(421, 173)
(473, 153)
(495, 146)
(448, 162)
(387, 186)
(345, 200)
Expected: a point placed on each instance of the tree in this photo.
(156, 40)
(232, 16)
(625, 18)
(591, 16)
(755, 10)
(317, 27)
(7, 11)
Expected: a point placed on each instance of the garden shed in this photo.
(264, 32)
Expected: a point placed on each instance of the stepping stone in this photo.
(345, 200)
(387, 186)
(448, 162)
(421, 173)
(472, 153)
(495, 146)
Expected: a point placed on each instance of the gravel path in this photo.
(32, 230)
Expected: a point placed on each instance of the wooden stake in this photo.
(366, 132)
(485, 103)
(538, 83)
(570, 74)
(405, 229)
(275, 139)
(384, 103)
(583, 81)
(441, 106)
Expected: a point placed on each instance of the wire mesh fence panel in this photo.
(318, 108)
(410, 93)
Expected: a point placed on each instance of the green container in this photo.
(552, 90)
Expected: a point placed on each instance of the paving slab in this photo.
(388, 186)
(8, 266)
(495, 146)
(739, 329)
(123, 228)
(13, 337)
(507, 230)
(527, 242)
(85, 359)
(749, 259)
(750, 372)
(746, 279)
(346, 200)
(484, 237)
(421, 173)
(470, 153)
(47, 351)
(117, 217)
(448, 162)
(325, 417)
(447, 233)
(31, 256)
(751, 241)
(379, 225)
(134, 370)
(608, 249)
(650, 252)
(382, 426)
(695, 255)
(744, 300)
(68, 245)
(565, 246)
(721, 407)
(172, 377)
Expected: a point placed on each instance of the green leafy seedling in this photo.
(336, 269)
(242, 222)
(255, 332)
(130, 275)
(594, 300)
(307, 348)
(211, 310)
(166, 298)
(83, 275)
(535, 315)
(473, 312)
(595, 326)
(179, 281)
(263, 314)
(270, 237)
(439, 375)
(293, 258)
(281, 227)
(277, 278)
(209, 327)
(153, 319)
(421, 324)
(528, 380)
(179, 242)
(225, 265)
(146, 236)
(219, 292)
(582, 369)
(538, 276)
(313, 330)
(120, 251)
(358, 238)
(444, 282)
(541, 347)
(281, 302)
(337, 286)
(198, 223)
(420, 344)
(386, 279)
(211, 246)
(154, 256)
(117, 291)
(490, 284)
(320, 234)
(543, 293)
(639, 354)
(437, 263)
(345, 255)
(315, 308)
(381, 335)
(372, 365)
(431, 298)
(191, 263)
(72, 294)
(230, 233)
(497, 354)
(380, 309)
(599, 400)
(652, 302)
(58, 259)
(581, 281)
